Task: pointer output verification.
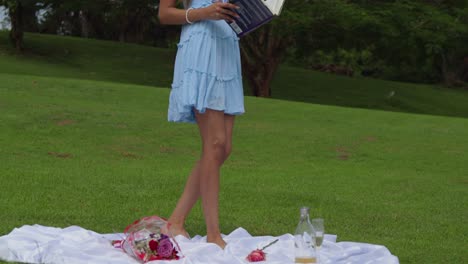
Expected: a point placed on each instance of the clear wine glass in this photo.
(319, 230)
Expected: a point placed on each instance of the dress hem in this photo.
(184, 117)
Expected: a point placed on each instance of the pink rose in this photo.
(256, 255)
(165, 248)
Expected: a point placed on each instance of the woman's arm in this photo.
(170, 14)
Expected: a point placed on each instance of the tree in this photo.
(123, 20)
(428, 42)
(16, 18)
(263, 49)
(303, 28)
(21, 13)
(84, 18)
(420, 41)
(262, 52)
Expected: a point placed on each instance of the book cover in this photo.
(253, 14)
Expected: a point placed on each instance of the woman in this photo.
(207, 89)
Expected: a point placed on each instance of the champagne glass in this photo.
(319, 230)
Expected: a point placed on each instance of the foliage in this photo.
(409, 40)
(420, 41)
(123, 20)
(264, 49)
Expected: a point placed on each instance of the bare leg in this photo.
(186, 202)
(214, 139)
(192, 188)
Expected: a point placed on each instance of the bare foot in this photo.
(177, 230)
(218, 241)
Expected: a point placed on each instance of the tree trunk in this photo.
(464, 70)
(445, 72)
(15, 13)
(84, 22)
(260, 76)
(123, 26)
(261, 54)
(122, 36)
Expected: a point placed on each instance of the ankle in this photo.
(176, 230)
(176, 223)
(176, 226)
(218, 240)
(213, 237)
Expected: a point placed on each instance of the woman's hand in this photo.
(220, 10)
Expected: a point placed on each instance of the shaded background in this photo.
(422, 41)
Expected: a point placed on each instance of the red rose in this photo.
(153, 245)
(256, 255)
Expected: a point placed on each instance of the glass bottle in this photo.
(304, 239)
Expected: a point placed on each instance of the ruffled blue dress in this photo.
(207, 71)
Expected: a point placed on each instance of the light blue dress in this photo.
(207, 71)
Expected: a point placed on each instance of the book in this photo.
(253, 14)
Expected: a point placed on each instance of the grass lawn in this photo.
(99, 153)
(68, 57)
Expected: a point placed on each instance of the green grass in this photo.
(57, 56)
(99, 152)
(320, 88)
(100, 155)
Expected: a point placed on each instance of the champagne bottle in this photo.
(304, 240)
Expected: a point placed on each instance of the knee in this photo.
(216, 149)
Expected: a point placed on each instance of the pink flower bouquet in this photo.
(149, 239)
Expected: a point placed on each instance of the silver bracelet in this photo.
(186, 15)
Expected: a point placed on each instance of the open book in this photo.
(254, 13)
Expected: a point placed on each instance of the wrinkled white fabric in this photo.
(75, 245)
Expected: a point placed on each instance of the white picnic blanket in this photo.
(76, 245)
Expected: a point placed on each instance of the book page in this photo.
(275, 6)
